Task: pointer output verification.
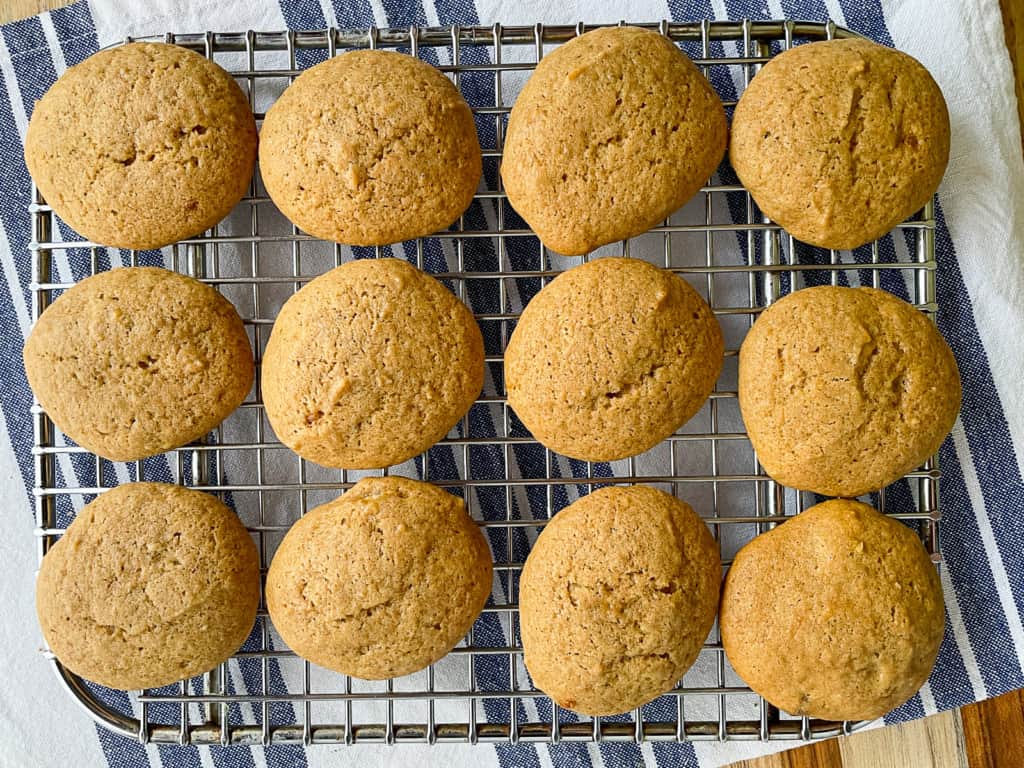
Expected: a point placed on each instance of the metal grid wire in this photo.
(720, 242)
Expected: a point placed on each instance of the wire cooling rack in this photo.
(480, 692)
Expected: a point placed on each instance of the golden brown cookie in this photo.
(610, 358)
(137, 361)
(382, 581)
(845, 390)
(616, 599)
(614, 131)
(370, 364)
(836, 614)
(370, 148)
(142, 145)
(152, 583)
(841, 140)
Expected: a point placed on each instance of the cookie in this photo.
(142, 145)
(370, 148)
(836, 614)
(845, 390)
(370, 364)
(616, 599)
(839, 141)
(382, 581)
(614, 131)
(137, 361)
(152, 583)
(611, 358)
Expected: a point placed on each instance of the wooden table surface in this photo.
(985, 735)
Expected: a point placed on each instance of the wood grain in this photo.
(985, 735)
(825, 754)
(934, 742)
(994, 732)
(1013, 30)
(19, 9)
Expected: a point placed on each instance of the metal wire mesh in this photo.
(720, 242)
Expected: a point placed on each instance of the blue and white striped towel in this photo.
(980, 247)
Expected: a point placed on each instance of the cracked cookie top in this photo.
(839, 141)
(613, 132)
(382, 581)
(152, 583)
(142, 145)
(370, 364)
(610, 358)
(616, 599)
(137, 361)
(835, 614)
(370, 148)
(845, 390)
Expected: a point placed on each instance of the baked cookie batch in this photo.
(837, 613)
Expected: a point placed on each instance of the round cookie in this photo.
(614, 131)
(845, 390)
(382, 581)
(142, 145)
(370, 364)
(839, 141)
(611, 358)
(835, 614)
(370, 148)
(616, 598)
(152, 583)
(137, 361)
